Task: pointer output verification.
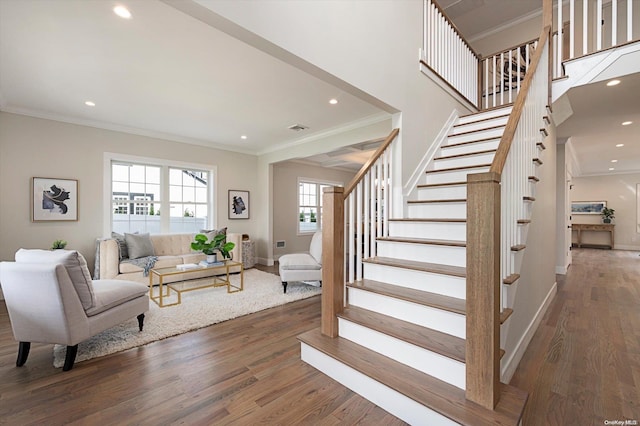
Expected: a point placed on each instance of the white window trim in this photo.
(309, 180)
(109, 157)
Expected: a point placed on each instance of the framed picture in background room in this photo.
(238, 204)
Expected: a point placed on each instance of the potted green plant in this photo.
(210, 248)
(607, 214)
(58, 245)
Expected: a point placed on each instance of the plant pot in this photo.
(212, 258)
(606, 220)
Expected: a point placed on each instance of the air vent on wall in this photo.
(297, 127)
(280, 244)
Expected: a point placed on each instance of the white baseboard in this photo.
(264, 261)
(626, 247)
(517, 354)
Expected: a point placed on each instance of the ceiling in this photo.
(166, 74)
(161, 73)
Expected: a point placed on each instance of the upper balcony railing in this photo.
(588, 26)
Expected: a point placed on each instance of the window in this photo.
(310, 204)
(159, 198)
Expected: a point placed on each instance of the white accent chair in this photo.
(51, 299)
(303, 266)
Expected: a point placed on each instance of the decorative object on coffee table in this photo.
(210, 248)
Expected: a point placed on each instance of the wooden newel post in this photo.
(332, 259)
(483, 289)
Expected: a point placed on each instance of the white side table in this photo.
(248, 254)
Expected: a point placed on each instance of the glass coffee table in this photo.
(183, 286)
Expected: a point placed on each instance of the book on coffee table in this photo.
(207, 264)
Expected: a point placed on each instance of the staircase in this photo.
(401, 336)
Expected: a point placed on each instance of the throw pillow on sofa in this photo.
(139, 245)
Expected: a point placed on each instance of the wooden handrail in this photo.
(514, 118)
(367, 166)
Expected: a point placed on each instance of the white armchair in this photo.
(302, 266)
(51, 299)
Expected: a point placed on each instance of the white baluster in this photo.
(572, 20)
(629, 20)
(585, 26)
(599, 28)
(352, 257)
(358, 231)
(614, 22)
(366, 202)
(372, 200)
(560, 36)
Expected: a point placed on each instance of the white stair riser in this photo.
(394, 402)
(437, 210)
(445, 255)
(434, 230)
(468, 137)
(480, 124)
(425, 316)
(446, 285)
(466, 161)
(470, 147)
(485, 114)
(453, 175)
(439, 366)
(442, 192)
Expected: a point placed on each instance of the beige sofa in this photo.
(171, 249)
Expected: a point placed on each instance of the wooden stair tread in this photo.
(537, 161)
(518, 247)
(426, 338)
(478, 130)
(435, 394)
(450, 169)
(481, 120)
(424, 219)
(456, 271)
(547, 119)
(467, 154)
(435, 185)
(424, 241)
(420, 297)
(528, 198)
(534, 178)
(541, 146)
(544, 131)
(524, 221)
(449, 200)
(505, 314)
(457, 144)
(493, 108)
(511, 279)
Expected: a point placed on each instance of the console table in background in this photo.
(593, 227)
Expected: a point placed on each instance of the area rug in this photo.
(198, 309)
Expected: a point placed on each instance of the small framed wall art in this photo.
(238, 204)
(54, 199)
(587, 207)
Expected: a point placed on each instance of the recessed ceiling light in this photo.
(333, 101)
(619, 145)
(613, 83)
(243, 137)
(614, 161)
(626, 123)
(122, 12)
(611, 168)
(89, 103)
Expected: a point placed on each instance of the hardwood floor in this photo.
(583, 364)
(245, 371)
(582, 367)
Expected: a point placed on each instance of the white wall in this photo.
(285, 201)
(35, 147)
(536, 287)
(619, 191)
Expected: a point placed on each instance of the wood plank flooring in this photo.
(582, 367)
(241, 372)
(583, 364)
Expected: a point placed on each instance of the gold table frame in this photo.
(164, 290)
